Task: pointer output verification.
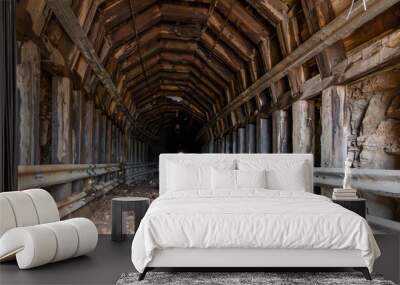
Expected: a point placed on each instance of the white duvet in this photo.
(250, 219)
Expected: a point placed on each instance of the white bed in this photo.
(280, 225)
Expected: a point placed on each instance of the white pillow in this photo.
(182, 177)
(293, 179)
(223, 179)
(286, 173)
(251, 178)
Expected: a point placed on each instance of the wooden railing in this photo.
(91, 180)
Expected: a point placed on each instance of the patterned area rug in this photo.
(242, 278)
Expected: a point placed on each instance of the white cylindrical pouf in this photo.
(23, 208)
(67, 240)
(87, 233)
(45, 205)
(7, 218)
(34, 246)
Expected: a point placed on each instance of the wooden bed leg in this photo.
(143, 274)
(365, 272)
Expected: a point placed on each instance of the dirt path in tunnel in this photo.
(99, 211)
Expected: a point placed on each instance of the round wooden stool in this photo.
(119, 207)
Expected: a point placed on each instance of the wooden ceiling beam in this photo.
(185, 95)
(161, 95)
(336, 30)
(201, 91)
(139, 49)
(181, 79)
(155, 14)
(274, 11)
(145, 20)
(381, 56)
(180, 67)
(153, 108)
(71, 25)
(243, 20)
(163, 106)
(155, 47)
(221, 52)
(231, 37)
(184, 87)
(176, 86)
(181, 58)
(188, 69)
(317, 15)
(219, 71)
(119, 12)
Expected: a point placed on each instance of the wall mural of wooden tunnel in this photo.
(105, 86)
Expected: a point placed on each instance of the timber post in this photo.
(280, 131)
(28, 91)
(61, 130)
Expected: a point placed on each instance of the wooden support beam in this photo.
(138, 46)
(270, 55)
(318, 14)
(77, 130)
(76, 125)
(382, 55)
(272, 10)
(337, 29)
(303, 118)
(250, 138)
(243, 19)
(113, 143)
(211, 146)
(28, 91)
(61, 130)
(231, 36)
(222, 141)
(234, 141)
(88, 133)
(264, 135)
(241, 140)
(280, 131)
(216, 145)
(136, 144)
(334, 131)
(103, 139)
(96, 136)
(228, 143)
(70, 23)
(109, 142)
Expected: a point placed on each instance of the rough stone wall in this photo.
(373, 108)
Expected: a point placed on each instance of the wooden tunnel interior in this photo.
(108, 84)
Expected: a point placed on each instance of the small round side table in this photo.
(119, 207)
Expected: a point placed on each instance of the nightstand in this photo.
(358, 205)
(119, 208)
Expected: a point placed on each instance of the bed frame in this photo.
(242, 259)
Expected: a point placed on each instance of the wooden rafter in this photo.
(337, 29)
(70, 22)
(138, 46)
